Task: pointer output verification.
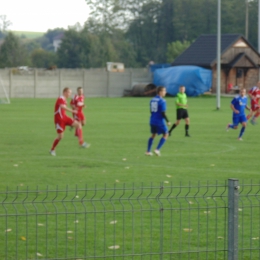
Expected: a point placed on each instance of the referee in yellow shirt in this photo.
(181, 111)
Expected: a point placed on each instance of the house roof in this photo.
(203, 52)
(239, 58)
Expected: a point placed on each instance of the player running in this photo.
(254, 94)
(238, 105)
(157, 121)
(77, 103)
(61, 120)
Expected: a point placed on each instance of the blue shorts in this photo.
(159, 129)
(239, 119)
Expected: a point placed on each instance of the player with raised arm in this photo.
(254, 94)
(61, 120)
(158, 121)
(77, 103)
(238, 105)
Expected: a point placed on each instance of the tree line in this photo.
(130, 31)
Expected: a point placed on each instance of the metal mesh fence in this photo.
(126, 222)
(249, 221)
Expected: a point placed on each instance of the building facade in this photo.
(240, 61)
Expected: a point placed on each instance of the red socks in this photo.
(80, 135)
(55, 143)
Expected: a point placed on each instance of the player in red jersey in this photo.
(254, 94)
(77, 103)
(61, 120)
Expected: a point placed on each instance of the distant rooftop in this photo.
(203, 52)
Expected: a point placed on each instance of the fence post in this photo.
(35, 83)
(158, 198)
(233, 195)
(10, 82)
(60, 79)
(130, 78)
(108, 83)
(84, 80)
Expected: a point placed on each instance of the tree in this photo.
(253, 21)
(144, 33)
(43, 59)
(165, 21)
(108, 46)
(125, 50)
(46, 41)
(104, 12)
(151, 24)
(31, 45)
(12, 52)
(174, 49)
(4, 23)
(2, 35)
(233, 16)
(192, 18)
(93, 47)
(51, 34)
(74, 50)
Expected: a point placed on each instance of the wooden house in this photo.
(239, 60)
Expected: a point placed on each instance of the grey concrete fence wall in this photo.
(40, 83)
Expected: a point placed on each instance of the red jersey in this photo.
(255, 96)
(255, 93)
(78, 102)
(60, 113)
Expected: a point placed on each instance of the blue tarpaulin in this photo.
(197, 80)
(156, 66)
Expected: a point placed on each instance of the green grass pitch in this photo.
(118, 130)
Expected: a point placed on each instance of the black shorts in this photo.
(182, 113)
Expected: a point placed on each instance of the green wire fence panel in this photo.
(126, 222)
(249, 221)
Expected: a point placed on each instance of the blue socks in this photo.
(242, 132)
(150, 143)
(231, 126)
(161, 143)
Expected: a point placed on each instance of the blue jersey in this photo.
(239, 104)
(157, 106)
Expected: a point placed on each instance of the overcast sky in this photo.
(39, 16)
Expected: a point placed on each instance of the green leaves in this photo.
(174, 49)
(131, 31)
(12, 52)
(43, 59)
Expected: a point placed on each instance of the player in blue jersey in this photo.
(238, 105)
(158, 121)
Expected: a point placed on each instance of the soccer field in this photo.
(118, 130)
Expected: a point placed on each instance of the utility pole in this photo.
(259, 26)
(258, 34)
(218, 87)
(246, 25)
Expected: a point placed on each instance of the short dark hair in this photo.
(78, 88)
(159, 89)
